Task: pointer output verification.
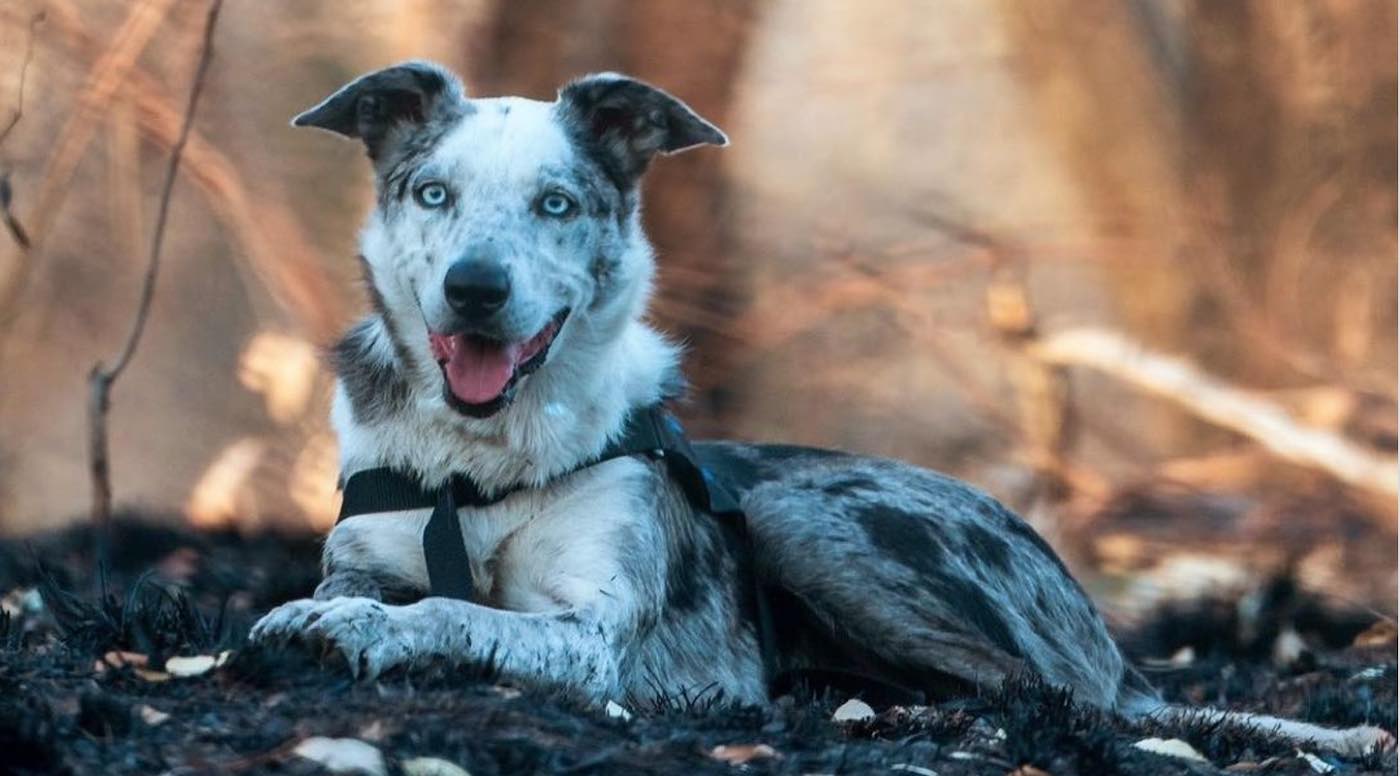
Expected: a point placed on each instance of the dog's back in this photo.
(913, 577)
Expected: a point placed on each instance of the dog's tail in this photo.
(1138, 700)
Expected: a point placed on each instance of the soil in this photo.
(168, 591)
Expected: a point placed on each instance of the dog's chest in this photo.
(559, 547)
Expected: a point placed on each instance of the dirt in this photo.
(171, 592)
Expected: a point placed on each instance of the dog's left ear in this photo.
(627, 122)
(382, 107)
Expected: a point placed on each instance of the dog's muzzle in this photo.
(481, 374)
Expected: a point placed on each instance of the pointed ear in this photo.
(389, 105)
(626, 122)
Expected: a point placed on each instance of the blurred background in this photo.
(1130, 265)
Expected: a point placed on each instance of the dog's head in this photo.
(502, 223)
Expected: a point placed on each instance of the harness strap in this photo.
(651, 431)
(449, 568)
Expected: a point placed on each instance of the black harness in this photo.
(652, 432)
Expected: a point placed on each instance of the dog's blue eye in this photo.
(556, 205)
(431, 195)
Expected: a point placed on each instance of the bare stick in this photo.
(16, 229)
(1227, 406)
(105, 77)
(34, 22)
(101, 379)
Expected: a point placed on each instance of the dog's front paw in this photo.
(285, 622)
(364, 631)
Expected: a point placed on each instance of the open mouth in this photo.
(480, 374)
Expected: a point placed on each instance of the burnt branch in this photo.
(18, 113)
(12, 222)
(102, 377)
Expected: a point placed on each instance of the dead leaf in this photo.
(1170, 747)
(1028, 770)
(116, 659)
(151, 676)
(853, 710)
(1182, 657)
(343, 755)
(1381, 634)
(374, 731)
(1288, 647)
(22, 601)
(432, 766)
(1316, 763)
(193, 665)
(738, 754)
(152, 716)
(917, 770)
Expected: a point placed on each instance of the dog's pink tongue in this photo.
(477, 370)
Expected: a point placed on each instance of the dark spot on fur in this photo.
(989, 547)
(780, 454)
(408, 154)
(692, 574)
(601, 269)
(374, 386)
(905, 537)
(910, 540)
(973, 604)
(849, 486)
(1042, 603)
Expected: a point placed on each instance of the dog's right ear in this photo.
(374, 107)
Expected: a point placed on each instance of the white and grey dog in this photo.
(510, 277)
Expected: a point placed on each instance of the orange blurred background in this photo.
(1130, 265)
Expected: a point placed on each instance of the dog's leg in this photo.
(573, 650)
(375, 556)
(349, 583)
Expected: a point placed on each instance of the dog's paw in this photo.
(363, 631)
(285, 622)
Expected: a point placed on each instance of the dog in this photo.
(509, 276)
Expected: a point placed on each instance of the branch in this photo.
(101, 379)
(1215, 401)
(12, 223)
(34, 22)
(105, 77)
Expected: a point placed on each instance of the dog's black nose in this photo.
(476, 288)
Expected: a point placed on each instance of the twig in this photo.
(101, 378)
(12, 223)
(1227, 406)
(34, 22)
(278, 252)
(16, 229)
(105, 77)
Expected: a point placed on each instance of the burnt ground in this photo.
(172, 592)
